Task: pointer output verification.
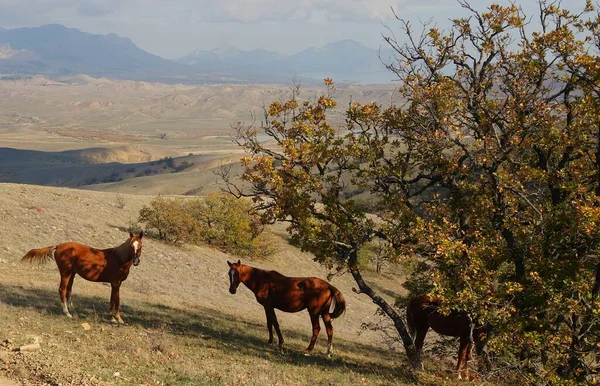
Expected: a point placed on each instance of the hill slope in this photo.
(184, 326)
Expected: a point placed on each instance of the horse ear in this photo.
(239, 262)
(229, 264)
(130, 235)
(141, 234)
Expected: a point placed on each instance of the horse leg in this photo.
(329, 329)
(463, 351)
(419, 342)
(69, 290)
(276, 325)
(270, 312)
(62, 292)
(316, 328)
(114, 303)
(469, 355)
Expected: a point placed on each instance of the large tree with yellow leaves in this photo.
(487, 176)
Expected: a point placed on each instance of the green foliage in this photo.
(220, 220)
(169, 219)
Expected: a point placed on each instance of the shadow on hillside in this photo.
(386, 291)
(233, 335)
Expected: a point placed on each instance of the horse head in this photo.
(135, 242)
(234, 276)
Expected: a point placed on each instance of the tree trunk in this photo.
(401, 327)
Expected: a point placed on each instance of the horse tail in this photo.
(338, 301)
(40, 255)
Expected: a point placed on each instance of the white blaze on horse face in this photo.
(231, 273)
(136, 245)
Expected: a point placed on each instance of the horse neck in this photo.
(250, 277)
(122, 252)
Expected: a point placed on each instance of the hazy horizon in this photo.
(175, 29)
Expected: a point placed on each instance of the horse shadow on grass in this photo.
(233, 334)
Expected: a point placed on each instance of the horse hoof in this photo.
(69, 316)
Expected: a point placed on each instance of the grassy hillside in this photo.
(183, 327)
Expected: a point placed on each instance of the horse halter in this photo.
(234, 276)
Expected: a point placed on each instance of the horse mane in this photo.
(275, 274)
(121, 251)
(263, 272)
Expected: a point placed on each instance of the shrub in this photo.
(231, 225)
(220, 220)
(182, 166)
(169, 219)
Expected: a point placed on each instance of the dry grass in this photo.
(183, 325)
(170, 345)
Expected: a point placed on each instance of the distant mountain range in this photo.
(56, 51)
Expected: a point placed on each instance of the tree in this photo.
(488, 176)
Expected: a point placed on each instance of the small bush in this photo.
(231, 225)
(169, 219)
(220, 220)
(133, 227)
(182, 166)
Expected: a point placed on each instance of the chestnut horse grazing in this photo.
(290, 294)
(422, 313)
(100, 265)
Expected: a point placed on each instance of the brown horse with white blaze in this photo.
(109, 265)
(422, 313)
(290, 294)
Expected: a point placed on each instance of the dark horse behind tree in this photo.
(290, 294)
(422, 313)
(100, 265)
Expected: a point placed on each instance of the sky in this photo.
(174, 28)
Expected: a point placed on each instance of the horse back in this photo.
(72, 251)
(292, 294)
